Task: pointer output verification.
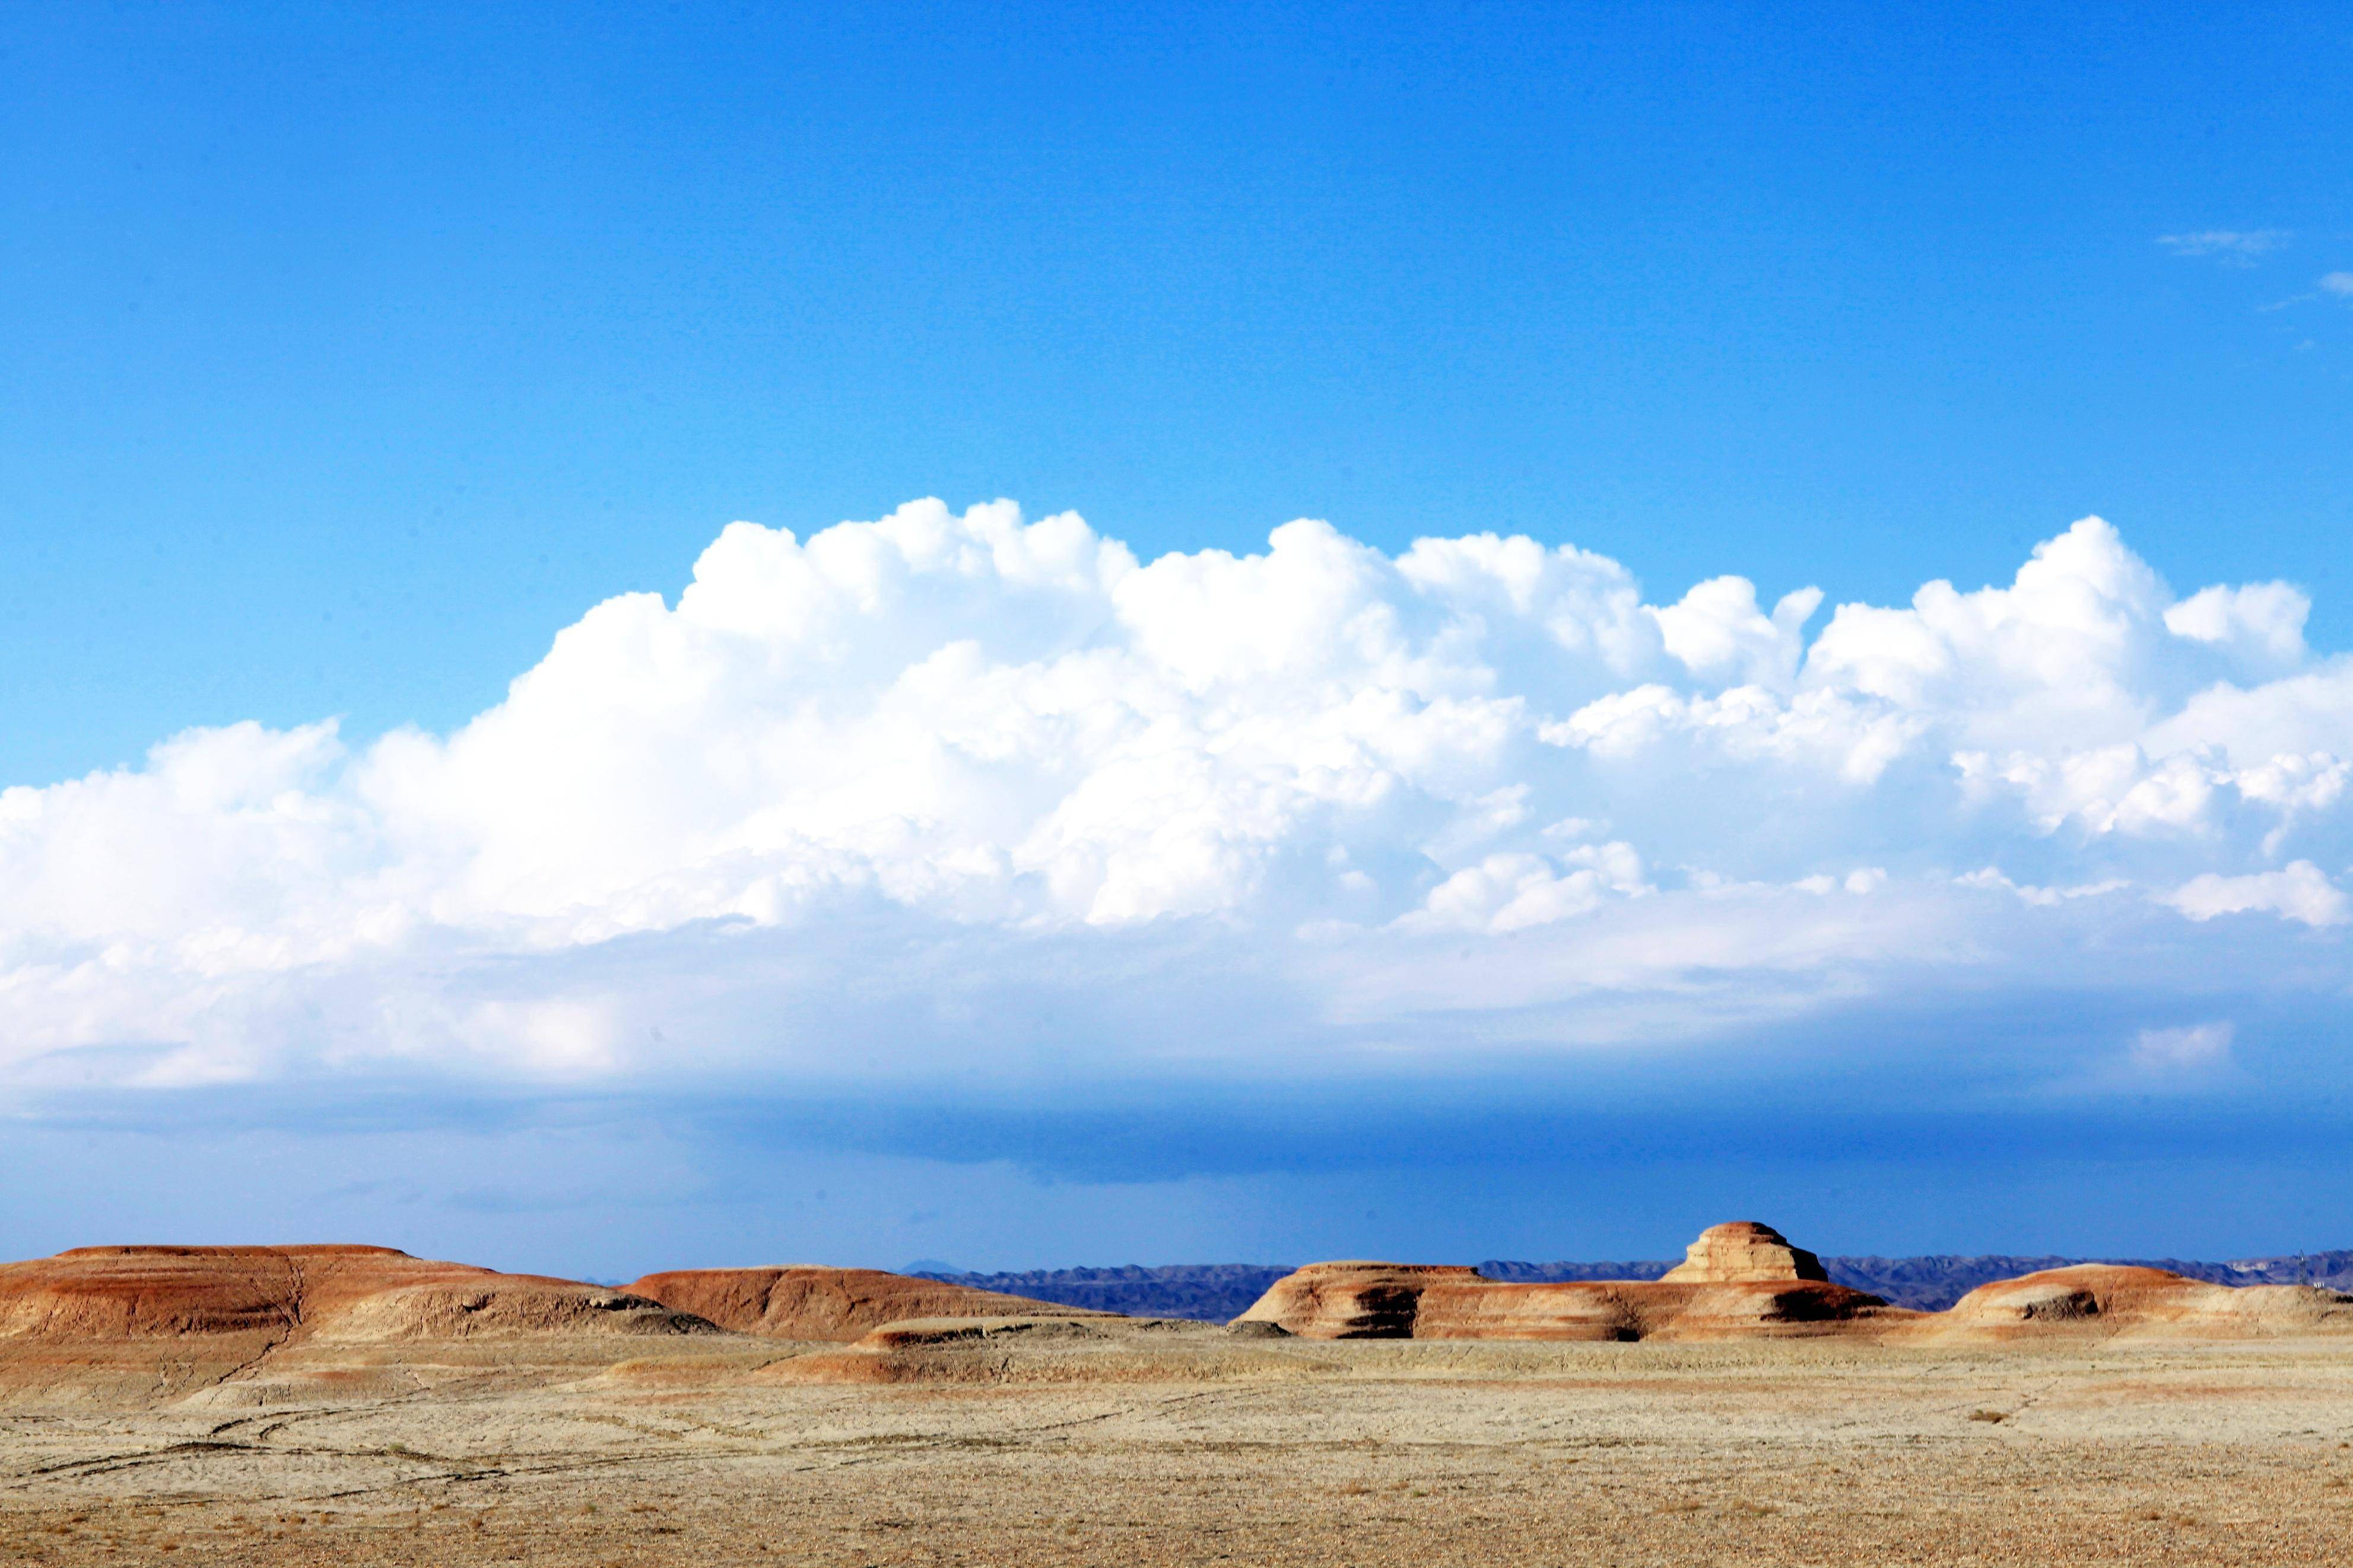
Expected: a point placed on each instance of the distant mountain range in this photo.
(1218, 1291)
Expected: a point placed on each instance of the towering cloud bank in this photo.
(915, 789)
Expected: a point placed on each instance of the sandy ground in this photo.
(1202, 1450)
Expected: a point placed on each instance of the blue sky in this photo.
(350, 355)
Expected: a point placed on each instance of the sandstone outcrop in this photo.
(282, 1293)
(231, 1328)
(1742, 1252)
(2103, 1299)
(1745, 1280)
(1386, 1301)
(807, 1302)
(1355, 1300)
(243, 1327)
(1648, 1310)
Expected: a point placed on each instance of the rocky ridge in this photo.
(1744, 1279)
(235, 1326)
(805, 1301)
(343, 1292)
(1739, 1279)
(2111, 1299)
(1218, 1292)
(240, 1328)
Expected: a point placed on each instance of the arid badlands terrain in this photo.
(347, 1404)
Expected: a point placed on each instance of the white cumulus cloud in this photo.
(849, 797)
(2263, 622)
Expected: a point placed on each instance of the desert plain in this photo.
(427, 1415)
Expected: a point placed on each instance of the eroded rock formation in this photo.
(240, 1326)
(807, 1302)
(1357, 1300)
(345, 1292)
(1744, 1290)
(1746, 1280)
(2100, 1299)
(1742, 1252)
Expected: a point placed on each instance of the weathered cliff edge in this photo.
(238, 1321)
(2098, 1300)
(807, 1302)
(283, 1296)
(1743, 1280)
(283, 1293)
(239, 1326)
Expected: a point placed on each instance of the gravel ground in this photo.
(1204, 1451)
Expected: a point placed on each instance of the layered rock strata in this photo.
(1379, 1300)
(240, 1327)
(2103, 1300)
(1742, 1252)
(1745, 1280)
(343, 1292)
(807, 1302)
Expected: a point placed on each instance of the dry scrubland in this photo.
(338, 1406)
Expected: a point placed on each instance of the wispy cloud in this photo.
(2198, 1048)
(2339, 284)
(2298, 892)
(2232, 246)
